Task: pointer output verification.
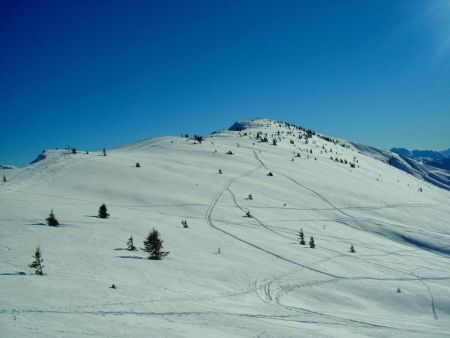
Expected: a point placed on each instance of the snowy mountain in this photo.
(436, 159)
(238, 269)
(431, 172)
(428, 155)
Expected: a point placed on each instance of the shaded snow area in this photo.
(229, 273)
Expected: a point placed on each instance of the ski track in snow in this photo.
(262, 164)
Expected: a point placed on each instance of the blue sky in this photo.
(96, 74)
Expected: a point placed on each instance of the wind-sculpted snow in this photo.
(237, 270)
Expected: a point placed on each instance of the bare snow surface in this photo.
(262, 283)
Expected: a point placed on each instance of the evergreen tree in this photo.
(220, 171)
(312, 245)
(248, 214)
(250, 197)
(270, 174)
(153, 245)
(4, 178)
(138, 165)
(352, 249)
(184, 224)
(103, 211)
(51, 220)
(74, 150)
(130, 245)
(37, 263)
(274, 142)
(301, 237)
(104, 152)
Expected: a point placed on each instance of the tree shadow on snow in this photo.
(131, 257)
(61, 225)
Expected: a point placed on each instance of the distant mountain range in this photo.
(438, 159)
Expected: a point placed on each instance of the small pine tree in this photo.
(104, 152)
(103, 211)
(301, 237)
(220, 171)
(153, 245)
(74, 150)
(51, 220)
(248, 214)
(312, 245)
(4, 178)
(184, 224)
(250, 197)
(274, 142)
(270, 174)
(398, 290)
(352, 249)
(138, 165)
(130, 244)
(37, 263)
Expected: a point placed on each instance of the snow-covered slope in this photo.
(262, 283)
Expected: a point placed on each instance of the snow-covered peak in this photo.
(253, 123)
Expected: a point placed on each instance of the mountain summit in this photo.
(266, 229)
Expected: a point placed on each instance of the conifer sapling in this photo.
(37, 263)
(130, 245)
(103, 211)
(51, 220)
(312, 245)
(153, 245)
(301, 237)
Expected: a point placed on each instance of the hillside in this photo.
(261, 283)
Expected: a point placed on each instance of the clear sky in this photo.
(94, 74)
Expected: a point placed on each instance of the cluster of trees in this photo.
(340, 160)
(261, 138)
(301, 239)
(198, 138)
(153, 245)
